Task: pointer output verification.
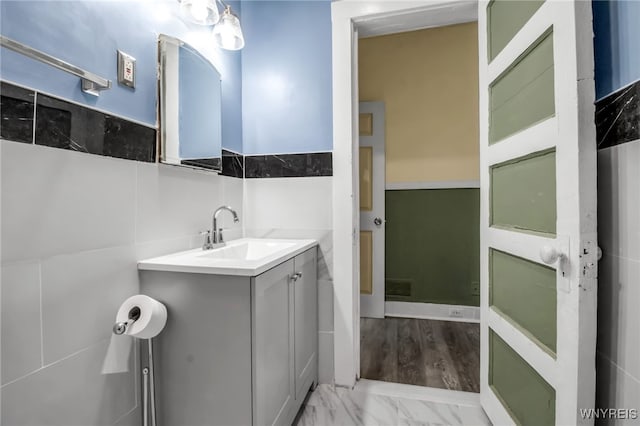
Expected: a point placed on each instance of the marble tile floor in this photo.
(369, 405)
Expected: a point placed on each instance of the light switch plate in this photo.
(126, 70)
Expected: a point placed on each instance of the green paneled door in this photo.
(525, 293)
(506, 17)
(530, 400)
(524, 94)
(538, 233)
(523, 193)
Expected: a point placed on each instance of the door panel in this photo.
(529, 399)
(523, 95)
(538, 246)
(372, 209)
(366, 262)
(505, 18)
(525, 293)
(366, 178)
(523, 193)
(366, 124)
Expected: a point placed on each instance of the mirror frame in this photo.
(213, 164)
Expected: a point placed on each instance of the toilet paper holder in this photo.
(121, 327)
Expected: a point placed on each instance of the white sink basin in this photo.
(247, 250)
(245, 257)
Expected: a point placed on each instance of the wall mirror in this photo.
(190, 107)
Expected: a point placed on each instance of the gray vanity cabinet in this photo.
(236, 350)
(273, 346)
(285, 339)
(305, 290)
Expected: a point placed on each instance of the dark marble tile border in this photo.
(232, 164)
(288, 165)
(618, 117)
(16, 113)
(66, 125)
(203, 163)
(61, 124)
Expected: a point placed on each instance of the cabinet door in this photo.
(305, 289)
(273, 381)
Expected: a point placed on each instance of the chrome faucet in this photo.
(214, 237)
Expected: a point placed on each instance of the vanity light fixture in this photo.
(227, 32)
(201, 12)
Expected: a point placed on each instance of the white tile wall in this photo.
(71, 391)
(21, 346)
(299, 208)
(165, 209)
(619, 200)
(325, 357)
(81, 293)
(325, 299)
(289, 203)
(133, 418)
(618, 360)
(617, 389)
(56, 201)
(73, 227)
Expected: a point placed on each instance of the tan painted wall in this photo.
(428, 80)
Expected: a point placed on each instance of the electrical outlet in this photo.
(126, 70)
(475, 288)
(455, 313)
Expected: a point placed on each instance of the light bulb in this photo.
(228, 33)
(227, 39)
(199, 10)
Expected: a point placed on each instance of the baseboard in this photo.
(433, 311)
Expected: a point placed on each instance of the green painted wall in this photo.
(523, 193)
(525, 292)
(529, 398)
(506, 17)
(432, 244)
(524, 94)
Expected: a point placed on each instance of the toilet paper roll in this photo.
(153, 316)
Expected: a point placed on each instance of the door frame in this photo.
(346, 16)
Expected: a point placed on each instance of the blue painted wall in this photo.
(616, 26)
(286, 77)
(88, 33)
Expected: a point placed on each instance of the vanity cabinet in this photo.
(236, 350)
(285, 338)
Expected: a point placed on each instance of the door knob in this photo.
(550, 254)
(377, 221)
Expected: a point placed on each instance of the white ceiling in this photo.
(448, 14)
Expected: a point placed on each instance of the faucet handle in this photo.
(220, 237)
(207, 245)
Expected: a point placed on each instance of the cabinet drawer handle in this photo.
(296, 276)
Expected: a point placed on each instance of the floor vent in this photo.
(397, 287)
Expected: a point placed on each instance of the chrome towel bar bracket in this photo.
(91, 83)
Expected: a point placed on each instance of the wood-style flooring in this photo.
(439, 354)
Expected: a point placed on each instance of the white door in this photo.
(538, 211)
(372, 181)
